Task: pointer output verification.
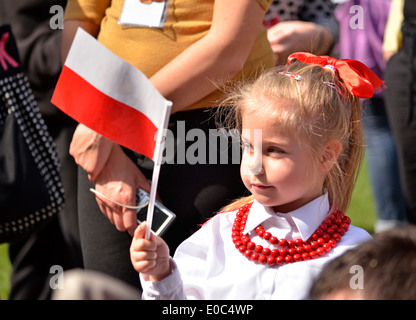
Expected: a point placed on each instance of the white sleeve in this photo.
(196, 260)
(170, 288)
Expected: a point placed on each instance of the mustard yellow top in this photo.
(149, 49)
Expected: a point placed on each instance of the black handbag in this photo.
(31, 189)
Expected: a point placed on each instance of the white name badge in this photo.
(144, 13)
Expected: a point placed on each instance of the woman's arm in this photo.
(215, 58)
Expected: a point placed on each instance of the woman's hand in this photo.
(150, 257)
(287, 37)
(119, 180)
(90, 150)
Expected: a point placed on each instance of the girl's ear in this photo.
(330, 154)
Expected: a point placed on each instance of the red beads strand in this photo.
(325, 237)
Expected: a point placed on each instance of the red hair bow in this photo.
(359, 79)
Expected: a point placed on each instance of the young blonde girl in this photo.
(303, 145)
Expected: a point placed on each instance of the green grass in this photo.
(361, 212)
(5, 270)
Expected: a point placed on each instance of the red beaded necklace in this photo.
(325, 237)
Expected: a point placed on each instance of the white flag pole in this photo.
(160, 142)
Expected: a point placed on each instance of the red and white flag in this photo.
(102, 91)
(112, 97)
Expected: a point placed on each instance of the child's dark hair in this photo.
(319, 109)
(387, 264)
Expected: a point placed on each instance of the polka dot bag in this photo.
(31, 190)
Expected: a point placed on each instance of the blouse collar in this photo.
(306, 219)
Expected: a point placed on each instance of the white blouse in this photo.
(208, 266)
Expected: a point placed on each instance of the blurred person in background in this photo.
(361, 37)
(38, 37)
(400, 96)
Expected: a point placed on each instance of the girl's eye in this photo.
(275, 150)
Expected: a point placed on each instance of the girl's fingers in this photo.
(140, 231)
(144, 256)
(144, 266)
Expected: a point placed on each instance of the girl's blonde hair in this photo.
(320, 109)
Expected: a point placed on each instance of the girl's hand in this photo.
(150, 257)
(119, 180)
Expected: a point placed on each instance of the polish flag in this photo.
(110, 96)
